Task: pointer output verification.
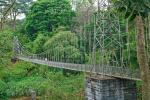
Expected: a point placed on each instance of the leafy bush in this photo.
(3, 87)
(36, 45)
(65, 88)
(64, 44)
(23, 87)
(5, 48)
(18, 71)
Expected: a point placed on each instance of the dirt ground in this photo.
(24, 98)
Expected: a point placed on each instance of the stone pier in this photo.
(105, 88)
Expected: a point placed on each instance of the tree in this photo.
(10, 9)
(20, 7)
(47, 16)
(84, 12)
(63, 46)
(36, 46)
(5, 7)
(137, 11)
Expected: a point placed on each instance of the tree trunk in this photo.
(14, 16)
(149, 26)
(14, 24)
(127, 25)
(142, 59)
(1, 24)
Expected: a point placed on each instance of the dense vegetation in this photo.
(46, 26)
(39, 29)
(47, 16)
(19, 79)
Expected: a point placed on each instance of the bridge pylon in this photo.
(16, 49)
(107, 88)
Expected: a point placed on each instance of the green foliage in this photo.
(65, 88)
(3, 87)
(139, 90)
(130, 52)
(25, 85)
(47, 15)
(36, 45)
(17, 71)
(23, 77)
(6, 39)
(101, 58)
(43, 26)
(64, 45)
(55, 83)
(131, 8)
(63, 38)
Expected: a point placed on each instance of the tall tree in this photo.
(5, 7)
(47, 16)
(137, 11)
(20, 7)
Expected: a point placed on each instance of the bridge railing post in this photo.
(33, 95)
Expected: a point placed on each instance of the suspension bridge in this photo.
(98, 51)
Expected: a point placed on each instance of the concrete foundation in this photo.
(104, 88)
